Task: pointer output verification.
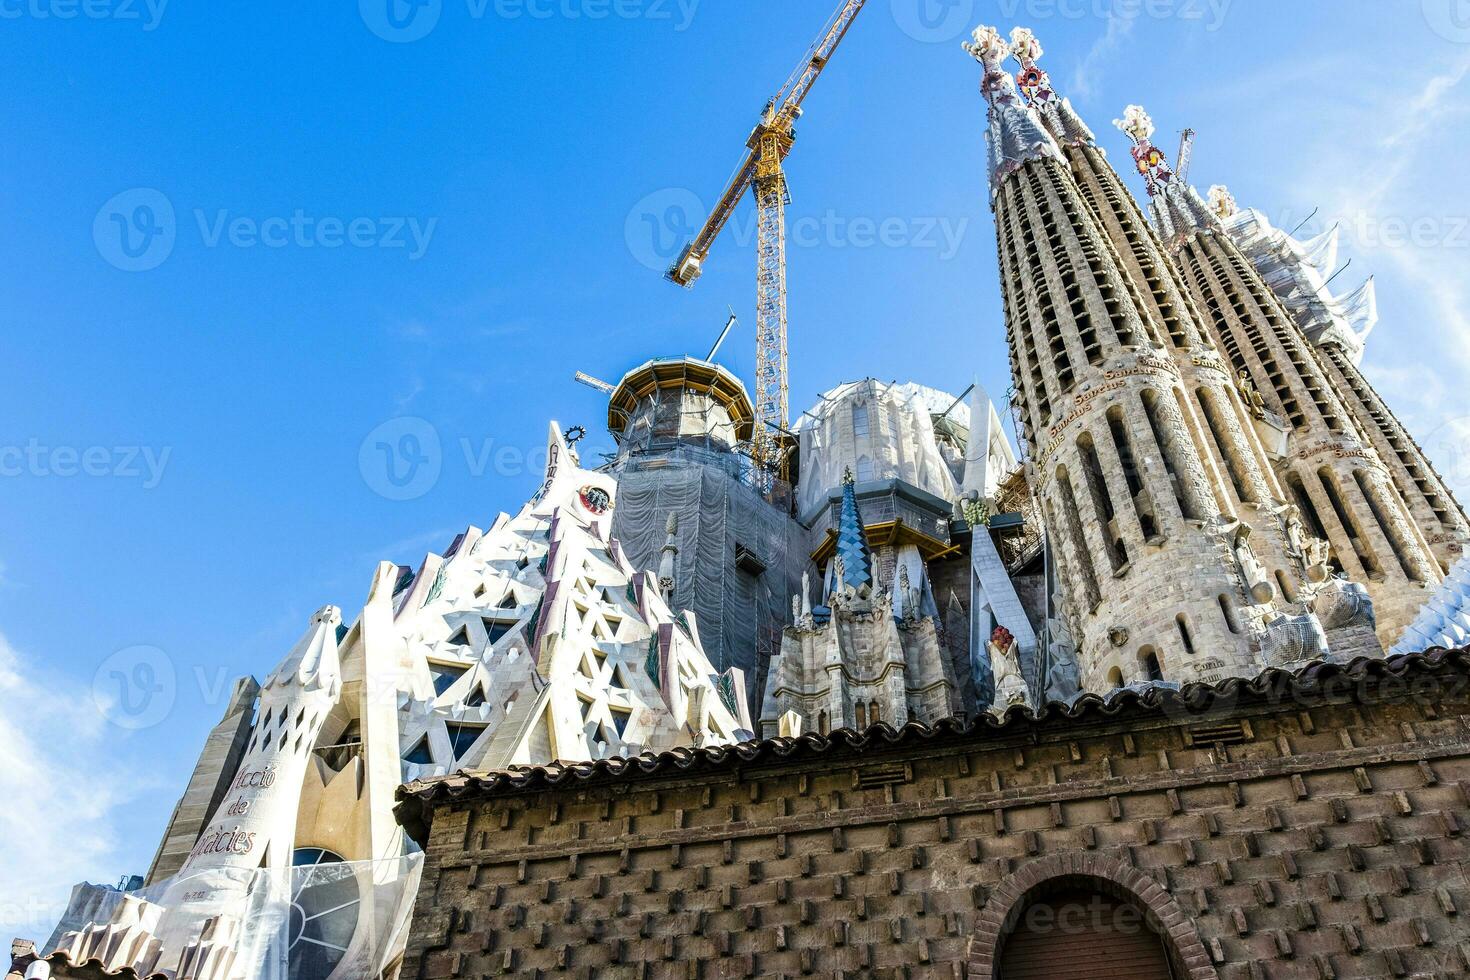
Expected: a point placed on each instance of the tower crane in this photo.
(762, 169)
(1185, 156)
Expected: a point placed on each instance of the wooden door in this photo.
(1083, 936)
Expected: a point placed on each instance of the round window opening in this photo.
(325, 902)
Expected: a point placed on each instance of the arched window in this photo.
(864, 470)
(822, 722)
(862, 715)
(1148, 659)
(860, 425)
(1115, 678)
(873, 716)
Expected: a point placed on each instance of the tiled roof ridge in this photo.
(1192, 699)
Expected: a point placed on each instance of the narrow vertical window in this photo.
(1173, 458)
(1072, 518)
(1142, 506)
(1228, 611)
(1184, 636)
(1102, 502)
(1349, 526)
(860, 425)
(1380, 516)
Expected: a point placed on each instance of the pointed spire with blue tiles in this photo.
(856, 565)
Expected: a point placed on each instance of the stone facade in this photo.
(1291, 827)
(1159, 568)
(865, 654)
(1300, 274)
(1336, 478)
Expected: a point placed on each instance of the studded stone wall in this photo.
(1287, 836)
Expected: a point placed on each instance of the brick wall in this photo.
(1290, 833)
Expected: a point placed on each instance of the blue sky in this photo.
(333, 220)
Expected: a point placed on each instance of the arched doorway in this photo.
(1002, 922)
(1082, 934)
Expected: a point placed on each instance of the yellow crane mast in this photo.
(762, 169)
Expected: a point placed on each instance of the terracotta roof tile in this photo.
(1194, 702)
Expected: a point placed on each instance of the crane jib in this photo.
(762, 169)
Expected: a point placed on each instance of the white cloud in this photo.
(61, 791)
(1384, 175)
(1087, 75)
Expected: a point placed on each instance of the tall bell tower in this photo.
(1161, 580)
(1327, 464)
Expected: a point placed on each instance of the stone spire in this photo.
(1015, 134)
(255, 823)
(1056, 112)
(313, 663)
(1177, 207)
(1116, 466)
(854, 559)
(668, 557)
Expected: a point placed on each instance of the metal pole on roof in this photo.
(963, 396)
(723, 334)
(1337, 273)
(1303, 222)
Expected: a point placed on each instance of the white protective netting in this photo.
(320, 919)
(740, 557)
